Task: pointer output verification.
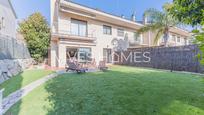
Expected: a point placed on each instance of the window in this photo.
(78, 27)
(107, 30)
(84, 55)
(178, 39)
(137, 37)
(174, 38)
(3, 23)
(107, 55)
(121, 32)
(186, 41)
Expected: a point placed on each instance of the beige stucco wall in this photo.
(61, 21)
(95, 29)
(9, 26)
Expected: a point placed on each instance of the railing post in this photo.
(1, 101)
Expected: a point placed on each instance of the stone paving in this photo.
(16, 96)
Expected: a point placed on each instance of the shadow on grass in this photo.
(11, 85)
(19, 82)
(126, 91)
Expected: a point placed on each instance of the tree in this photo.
(161, 22)
(36, 32)
(191, 12)
(188, 11)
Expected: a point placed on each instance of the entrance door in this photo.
(107, 54)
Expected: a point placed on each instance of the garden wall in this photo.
(181, 58)
(13, 48)
(10, 68)
(14, 57)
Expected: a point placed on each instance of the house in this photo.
(7, 29)
(76, 28)
(7, 19)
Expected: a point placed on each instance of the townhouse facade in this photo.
(77, 28)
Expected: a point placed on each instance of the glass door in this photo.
(107, 54)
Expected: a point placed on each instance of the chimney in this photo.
(122, 16)
(133, 17)
(145, 20)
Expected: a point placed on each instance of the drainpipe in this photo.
(57, 5)
(149, 38)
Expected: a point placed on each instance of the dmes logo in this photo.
(133, 57)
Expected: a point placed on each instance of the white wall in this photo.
(95, 28)
(62, 23)
(9, 26)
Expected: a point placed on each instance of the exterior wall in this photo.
(95, 29)
(61, 23)
(9, 26)
(150, 36)
(53, 53)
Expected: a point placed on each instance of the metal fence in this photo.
(11, 48)
(181, 58)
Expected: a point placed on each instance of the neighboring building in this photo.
(177, 36)
(77, 28)
(7, 19)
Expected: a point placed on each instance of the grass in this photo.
(120, 91)
(22, 80)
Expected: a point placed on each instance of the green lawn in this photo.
(22, 80)
(120, 91)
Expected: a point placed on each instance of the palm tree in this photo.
(161, 22)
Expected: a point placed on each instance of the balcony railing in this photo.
(56, 32)
(135, 42)
(70, 35)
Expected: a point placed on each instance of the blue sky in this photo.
(124, 7)
(24, 8)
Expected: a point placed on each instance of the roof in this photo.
(12, 8)
(139, 23)
(103, 12)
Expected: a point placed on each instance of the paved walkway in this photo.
(17, 95)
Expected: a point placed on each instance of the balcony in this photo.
(133, 42)
(59, 32)
(69, 36)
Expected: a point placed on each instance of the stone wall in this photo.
(10, 68)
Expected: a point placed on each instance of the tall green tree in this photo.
(191, 12)
(161, 22)
(188, 11)
(36, 32)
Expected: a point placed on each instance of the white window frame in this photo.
(178, 39)
(3, 22)
(120, 32)
(107, 30)
(79, 25)
(186, 41)
(86, 55)
(139, 37)
(174, 38)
